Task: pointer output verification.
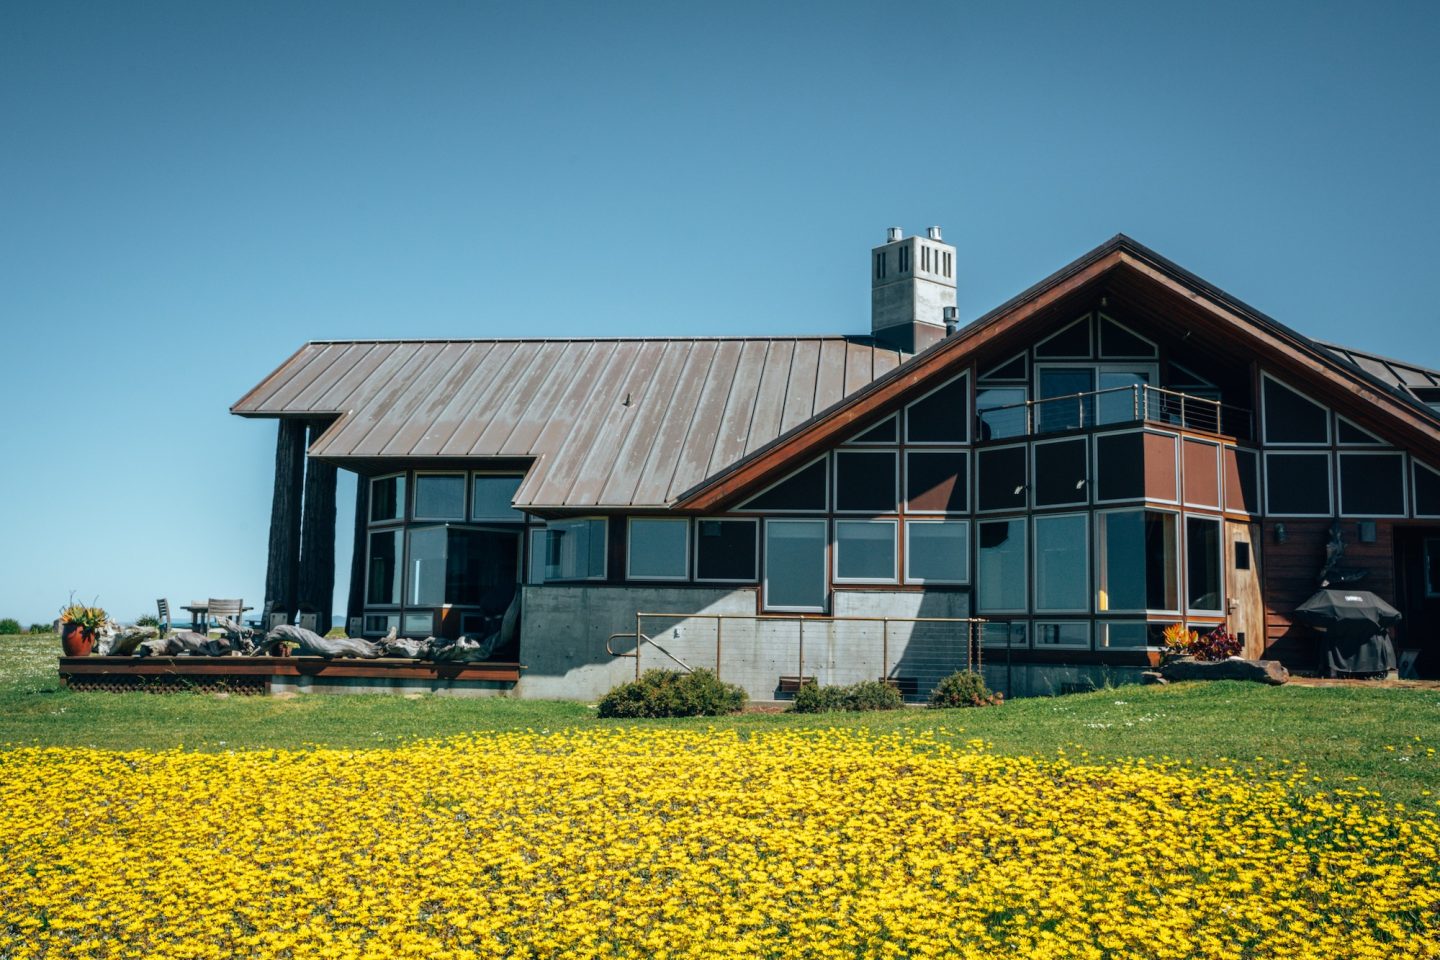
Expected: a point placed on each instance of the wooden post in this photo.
(283, 566)
(356, 606)
(316, 586)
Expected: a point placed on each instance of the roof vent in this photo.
(893, 234)
(933, 233)
(951, 322)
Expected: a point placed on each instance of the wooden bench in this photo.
(793, 684)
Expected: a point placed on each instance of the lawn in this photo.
(1221, 821)
(1384, 739)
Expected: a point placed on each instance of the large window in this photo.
(491, 496)
(440, 496)
(1062, 472)
(1204, 573)
(1001, 411)
(941, 416)
(1136, 552)
(725, 550)
(937, 551)
(383, 579)
(659, 549)
(1062, 565)
(575, 549)
(937, 481)
(1297, 484)
(1002, 478)
(387, 498)
(1372, 484)
(1290, 417)
(865, 550)
(1000, 566)
(795, 565)
(865, 481)
(461, 566)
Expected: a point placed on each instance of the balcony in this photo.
(1137, 403)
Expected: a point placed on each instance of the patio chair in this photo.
(162, 608)
(229, 609)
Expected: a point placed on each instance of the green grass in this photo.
(1383, 738)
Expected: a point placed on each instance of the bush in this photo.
(336, 633)
(964, 688)
(669, 693)
(148, 620)
(866, 695)
(42, 628)
(9, 625)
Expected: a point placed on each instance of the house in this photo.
(1120, 447)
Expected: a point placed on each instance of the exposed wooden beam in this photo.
(316, 586)
(356, 605)
(283, 566)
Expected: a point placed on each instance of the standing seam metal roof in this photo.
(608, 422)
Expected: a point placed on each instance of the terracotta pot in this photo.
(76, 641)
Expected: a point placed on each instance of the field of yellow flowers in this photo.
(697, 843)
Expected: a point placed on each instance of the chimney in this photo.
(912, 290)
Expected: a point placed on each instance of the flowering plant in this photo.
(1218, 644)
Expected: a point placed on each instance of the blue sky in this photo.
(193, 190)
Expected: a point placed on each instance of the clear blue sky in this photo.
(191, 190)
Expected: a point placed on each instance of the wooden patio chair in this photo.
(229, 609)
(162, 608)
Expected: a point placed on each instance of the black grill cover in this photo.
(1354, 622)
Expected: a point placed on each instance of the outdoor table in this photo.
(200, 614)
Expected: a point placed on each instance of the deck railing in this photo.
(1137, 403)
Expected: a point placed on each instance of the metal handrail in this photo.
(973, 648)
(1147, 403)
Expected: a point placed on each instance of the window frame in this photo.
(988, 378)
(824, 566)
(809, 511)
(400, 562)
(1089, 474)
(1265, 416)
(974, 500)
(755, 560)
(1023, 387)
(605, 554)
(403, 499)
(1024, 540)
(464, 476)
(866, 451)
(1035, 521)
(532, 553)
(893, 420)
(1011, 623)
(1035, 643)
(518, 515)
(1417, 464)
(1101, 631)
(894, 550)
(936, 521)
(1100, 340)
(1329, 481)
(1370, 444)
(904, 482)
(630, 549)
(1099, 538)
(1339, 502)
(1085, 318)
(964, 421)
(1220, 564)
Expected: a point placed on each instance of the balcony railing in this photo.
(1138, 403)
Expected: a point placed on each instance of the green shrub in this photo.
(336, 633)
(866, 695)
(9, 625)
(669, 693)
(42, 628)
(964, 688)
(147, 620)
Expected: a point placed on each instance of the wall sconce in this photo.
(1365, 531)
(1281, 534)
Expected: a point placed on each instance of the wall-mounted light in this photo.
(1365, 531)
(1281, 534)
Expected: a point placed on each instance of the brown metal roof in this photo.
(608, 423)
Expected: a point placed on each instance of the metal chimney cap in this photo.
(933, 233)
(893, 233)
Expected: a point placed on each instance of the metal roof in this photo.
(608, 422)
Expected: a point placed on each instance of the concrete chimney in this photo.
(912, 282)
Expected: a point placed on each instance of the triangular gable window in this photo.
(886, 431)
(1427, 490)
(1120, 342)
(801, 492)
(1012, 371)
(1349, 435)
(1291, 418)
(1069, 343)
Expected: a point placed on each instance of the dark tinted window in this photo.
(1073, 341)
(1012, 369)
(1120, 466)
(865, 480)
(804, 491)
(882, 432)
(1298, 483)
(1061, 473)
(1427, 491)
(1290, 418)
(937, 481)
(1372, 484)
(942, 417)
(1116, 341)
(725, 550)
(1002, 478)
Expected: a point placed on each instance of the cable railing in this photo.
(1135, 403)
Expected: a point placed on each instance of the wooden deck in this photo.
(253, 675)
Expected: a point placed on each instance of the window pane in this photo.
(941, 417)
(387, 498)
(1061, 547)
(795, 564)
(1120, 466)
(864, 550)
(1202, 564)
(481, 567)
(1062, 472)
(658, 548)
(384, 581)
(1001, 483)
(1432, 567)
(726, 550)
(1121, 405)
(999, 414)
(493, 496)
(865, 481)
(1075, 633)
(426, 559)
(535, 568)
(1137, 561)
(803, 491)
(1297, 484)
(575, 550)
(418, 624)
(937, 482)
(1000, 566)
(1291, 418)
(1133, 635)
(1014, 634)
(440, 496)
(1059, 408)
(938, 552)
(1372, 484)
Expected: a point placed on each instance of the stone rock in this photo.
(1151, 677)
(1260, 671)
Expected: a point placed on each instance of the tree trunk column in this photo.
(316, 587)
(283, 566)
(356, 606)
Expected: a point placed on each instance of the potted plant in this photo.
(1180, 643)
(79, 624)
